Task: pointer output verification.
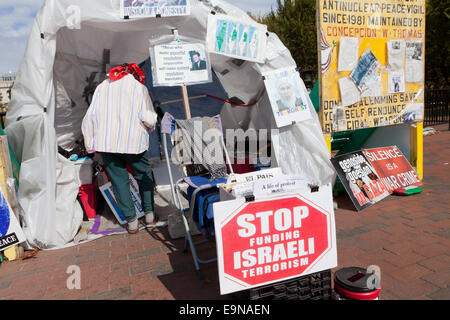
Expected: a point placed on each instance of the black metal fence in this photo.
(436, 107)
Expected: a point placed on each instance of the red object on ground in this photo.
(373, 295)
(88, 196)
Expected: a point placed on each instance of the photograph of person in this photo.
(197, 62)
(288, 98)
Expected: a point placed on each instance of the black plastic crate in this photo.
(316, 286)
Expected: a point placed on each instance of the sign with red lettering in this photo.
(274, 238)
(393, 168)
(359, 179)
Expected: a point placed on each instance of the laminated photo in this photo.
(287, 96)
(366, 71)
(153, 8)
(396, 81)
(246, 41)
(396, 54)
(176, 64)
(414, 61)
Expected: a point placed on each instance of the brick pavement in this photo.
(408, 237)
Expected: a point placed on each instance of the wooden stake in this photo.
(187, 108)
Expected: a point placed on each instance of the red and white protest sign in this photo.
(274, 238)
(392, 167)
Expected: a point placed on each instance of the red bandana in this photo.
(132, 68)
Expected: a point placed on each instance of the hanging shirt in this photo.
(119, 118)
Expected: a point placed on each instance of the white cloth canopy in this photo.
(47, 106)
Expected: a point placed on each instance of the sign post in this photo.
(187, 108)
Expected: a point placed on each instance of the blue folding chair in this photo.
(197, 185)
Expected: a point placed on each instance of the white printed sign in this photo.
(274, 238)
(10, 232)
(242, 40)
(279, 185)
(287, 96)
(110, 198)
(256, 175)
(177, 64)
(152, 8)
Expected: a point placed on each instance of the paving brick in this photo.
(415, 223)
(121, 266)
(144, 253)
(118, 280)
(399, 248)
(138, 269)
(431, 250)
(410, 272)
(372, 240)
(400, 228)
(443, 233)
(160, 268)
(442, 294)
(440, 278)
(372, 226)
(405, 259)
(387, 295)
(436, 263)
(112, 294)
(443, 224)
(439, 216)
(413, 289)
(5, 285)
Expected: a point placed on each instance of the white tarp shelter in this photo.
(47, 106)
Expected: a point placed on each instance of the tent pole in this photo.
(187, 109)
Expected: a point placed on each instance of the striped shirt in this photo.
(119, 118)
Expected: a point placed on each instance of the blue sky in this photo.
(17, 16)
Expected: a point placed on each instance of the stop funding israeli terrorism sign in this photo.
(274, 239)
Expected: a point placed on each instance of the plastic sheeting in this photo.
(48, 105)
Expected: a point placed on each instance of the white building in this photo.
(6, 80)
